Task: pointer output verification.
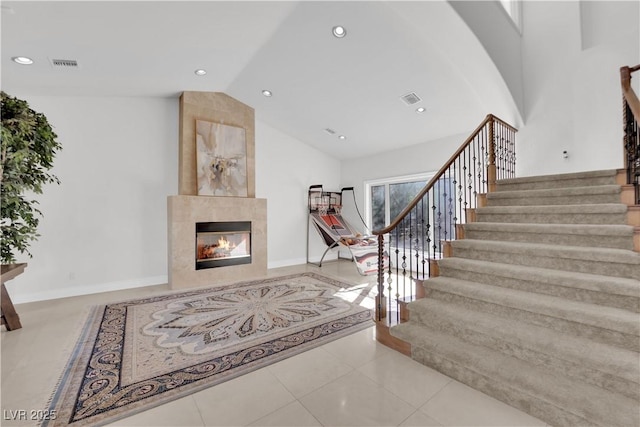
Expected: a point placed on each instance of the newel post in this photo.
(491, 167)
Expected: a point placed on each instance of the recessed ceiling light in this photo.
(342, 137)
(200, 72)
(420, 110)
(22, 60)
(267, 93)
(339, 31)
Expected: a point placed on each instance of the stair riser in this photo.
(575, 294)
(554, 398)
(626, 341)
(582, 199)
(602, 241)
(538, 356)
(564, 183)
(553, 262)
(504, 392)
(596, 219)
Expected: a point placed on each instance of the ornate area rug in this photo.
(141, 353)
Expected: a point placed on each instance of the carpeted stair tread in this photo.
(557, 196)
(594, 208)
(603, 213)
(570, 252)
(614, 262)
(578, 179)
(609, 318)
(597, 363)
(554, 398)
(562, 176)
(592, 282)
(582, 229)
(609, 236)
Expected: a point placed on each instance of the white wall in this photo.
(104, 226)
(421, 158)
(573, 95)
(500, 38)
(285, 168)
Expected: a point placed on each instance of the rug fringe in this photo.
(80, 331)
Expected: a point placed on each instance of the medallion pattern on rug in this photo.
(141, 353)
(196, 325)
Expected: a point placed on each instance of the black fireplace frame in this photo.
(222, 227)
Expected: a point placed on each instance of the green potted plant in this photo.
(28, 148)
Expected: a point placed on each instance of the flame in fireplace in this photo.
(224, 244)
(216, 245)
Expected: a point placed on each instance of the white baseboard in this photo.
(134, 283)
(89, 289)
(299, 261)
(286, 263)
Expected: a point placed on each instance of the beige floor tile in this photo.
(308, 371)
(419, 419)
(243, 400)
(292, 415)
(406, 378)
(358, 349)
(355, 400)
(30, 387)
(362, 296)
(459, 405)
(181, 412)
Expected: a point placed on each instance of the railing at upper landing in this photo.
(631, 139)
(420, 234)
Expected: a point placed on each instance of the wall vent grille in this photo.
(410, 98)
(64, 63)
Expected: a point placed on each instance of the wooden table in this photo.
(10, 318)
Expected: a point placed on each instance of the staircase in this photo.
(539, 306)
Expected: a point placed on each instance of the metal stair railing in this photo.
(419, 235)
(631, 139)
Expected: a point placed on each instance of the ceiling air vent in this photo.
(410, 98)
(330, 131)
(64, 63)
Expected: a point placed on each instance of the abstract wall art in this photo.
(221, 156)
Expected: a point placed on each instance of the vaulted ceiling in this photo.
(352, 85)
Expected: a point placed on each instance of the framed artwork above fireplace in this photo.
(221, 158)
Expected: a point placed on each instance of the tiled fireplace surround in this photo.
(187, 208)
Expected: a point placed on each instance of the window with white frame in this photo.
(386, 198)
(434, 219)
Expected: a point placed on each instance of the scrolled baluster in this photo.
(380, 305)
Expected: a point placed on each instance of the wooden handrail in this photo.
(489, 119)
(627, 91)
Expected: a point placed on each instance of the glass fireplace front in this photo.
(221, 244)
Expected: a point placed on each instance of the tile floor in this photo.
(353, 381)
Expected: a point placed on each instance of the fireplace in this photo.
(221, 244)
